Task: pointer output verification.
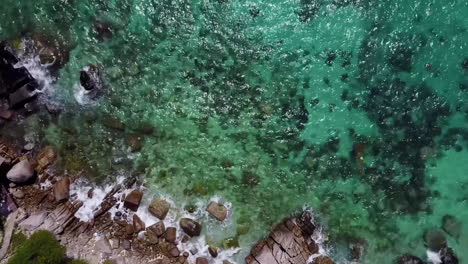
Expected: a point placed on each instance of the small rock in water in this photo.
(435, 240)
(62, 189)
(29, 147)
(138, 224)
(191, 227)
(90, 78)
(171, 234)
(452, 225)
(159, 208)
(135, 142)
(104, 30)
(91, 194)
(21, 172)
(217, 210)
(409, 259)
(133, 200)
(213, 251)
(201, 261)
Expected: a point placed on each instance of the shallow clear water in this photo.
(355, 108)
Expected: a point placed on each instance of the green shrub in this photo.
(40, 248)
(17, 240)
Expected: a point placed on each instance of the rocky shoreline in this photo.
(41, 200)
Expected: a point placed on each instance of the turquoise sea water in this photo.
(355, 108)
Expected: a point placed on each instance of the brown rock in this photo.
(135, 142)
(190, 227)
(62, 189)
(129, 229)
(91, 193)
(45, 158)
(323, 260)
(157, 229)
(226, 262)
(174, 252)
(185, 239)
(313, 247)
(138, 224)
(217, 210)
(201, 261)
(6, 114)
(171, 234)
(159, 208)
(213, 251)
(133, 200)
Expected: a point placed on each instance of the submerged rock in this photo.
(217, 210)
(409, 259)
(435, 240)
(21, 172)
(159, 208)
(90, 78)
(190, 227)
(452, 225)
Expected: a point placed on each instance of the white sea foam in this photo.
(433, 257)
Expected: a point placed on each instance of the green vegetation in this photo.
(40, 248)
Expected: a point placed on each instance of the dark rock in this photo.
(409, 259)
(104, 30)
(452, 225)
(171, 234)
(213, 251)
(217, 210)
(91, 194)
(190, 227)
(138, 224)
(435, 240)
(62, 189)
(6, 114)
(90, 78)
(23, 95)
(447, 256)
(159, 208)
(21, 172)
(135, 142)
(201, 261)
(133, 200)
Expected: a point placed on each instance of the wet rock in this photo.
(447, 256)
(62, 189)
(201, 261)
(103, 245)
(21, 172)
(22, 95)
(133, 200)
(213, 251)
(159, 208)
(435, 240)
(217, 210)
(138, 224)
(28, 147)
(45, 158)
(33, 221)
(104, 30)
(90, 78)
(287, 243)
(157, 229)
(113, 123)
(190, 227)
(6, 114)
(323, 260)
(91, 194)
(409, 259)
(171, 234)
(135, 142)
(226, 262)
(452, 226)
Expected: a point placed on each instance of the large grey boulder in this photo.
(21, 172)
(33, 221)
